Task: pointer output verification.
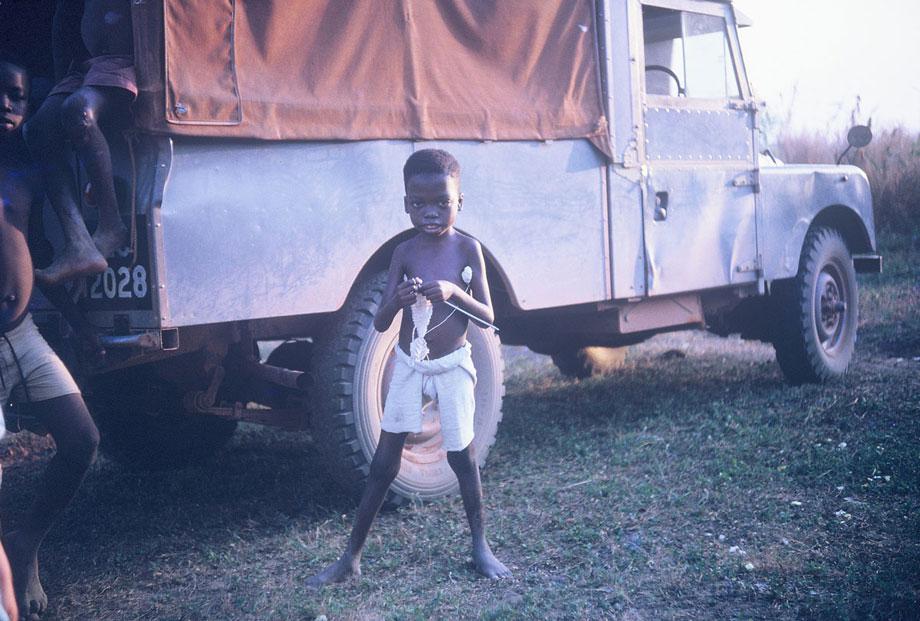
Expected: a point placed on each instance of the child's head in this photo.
(433, 198)
(14, 94)
(434, 161)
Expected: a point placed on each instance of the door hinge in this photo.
(748, 180)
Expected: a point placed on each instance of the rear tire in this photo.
(352, 368)
(817, 311)
(587, 361)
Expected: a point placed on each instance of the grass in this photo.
(684, 486)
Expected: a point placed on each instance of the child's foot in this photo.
(489, 566)
(75, 261)
(110, 238)
(30, 596)
(338, 571)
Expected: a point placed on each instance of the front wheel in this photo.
(816, 312)
(353, 366)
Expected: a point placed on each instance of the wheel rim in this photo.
(424, 470)
(830, 308)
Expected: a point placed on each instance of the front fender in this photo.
(794, 197)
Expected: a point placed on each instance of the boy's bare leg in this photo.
(82, 113)
(76, 438)
(384, 468)
(48, 144)
(7, 595)
(463, 463)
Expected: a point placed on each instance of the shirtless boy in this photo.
(30, 373)
(429, 266)
(94, 92)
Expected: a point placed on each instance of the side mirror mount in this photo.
(858, 137)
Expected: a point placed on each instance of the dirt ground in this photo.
(693, 483)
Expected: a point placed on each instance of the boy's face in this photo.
(432, 202)
(14, 97)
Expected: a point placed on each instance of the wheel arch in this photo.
(499, 285)
(857, 235)
(851, 226)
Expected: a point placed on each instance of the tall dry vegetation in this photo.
(891, 161)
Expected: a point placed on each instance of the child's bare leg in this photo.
(76, 438)
(7, 595)
(48, 144)
(463, 463)
(82, 113)
(384, 468)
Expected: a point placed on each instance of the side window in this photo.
(687, 55)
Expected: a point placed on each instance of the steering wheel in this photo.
(681, 91)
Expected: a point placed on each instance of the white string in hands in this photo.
(422, 310)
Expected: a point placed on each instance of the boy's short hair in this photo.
(435, 161)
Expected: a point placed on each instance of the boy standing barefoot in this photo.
(434, 271)
(30, 372)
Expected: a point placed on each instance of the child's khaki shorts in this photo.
(29, 368)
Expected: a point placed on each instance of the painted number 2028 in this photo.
(123, 282)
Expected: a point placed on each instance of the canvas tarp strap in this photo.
(370, 69)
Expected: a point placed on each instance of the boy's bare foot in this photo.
(75, 261)
(30, 596)
(489, 566)
(110, 238)
(338, 571)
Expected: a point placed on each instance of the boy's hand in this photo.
(406, 290)
(438, 290)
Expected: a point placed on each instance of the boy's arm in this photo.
(478, 301)
(397, 294)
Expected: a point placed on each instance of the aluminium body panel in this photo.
(793, 195)
(255, 230)
(622, 44)
(626, 199)
(700, 216)
(540, 211)
(700, 210)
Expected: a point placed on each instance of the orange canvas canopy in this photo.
(370, 69)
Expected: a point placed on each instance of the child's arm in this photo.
(479, 301)
(397, 294)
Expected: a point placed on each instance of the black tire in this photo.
(817, 311)
(352, 366)
(142, 424)
(584, 362)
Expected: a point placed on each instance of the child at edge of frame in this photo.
(431, 275)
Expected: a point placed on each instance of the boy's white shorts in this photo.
(450, 380)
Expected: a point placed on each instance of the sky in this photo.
(809, 59)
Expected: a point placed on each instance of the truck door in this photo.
(700, 213)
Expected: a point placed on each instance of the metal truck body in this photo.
(683, 224)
